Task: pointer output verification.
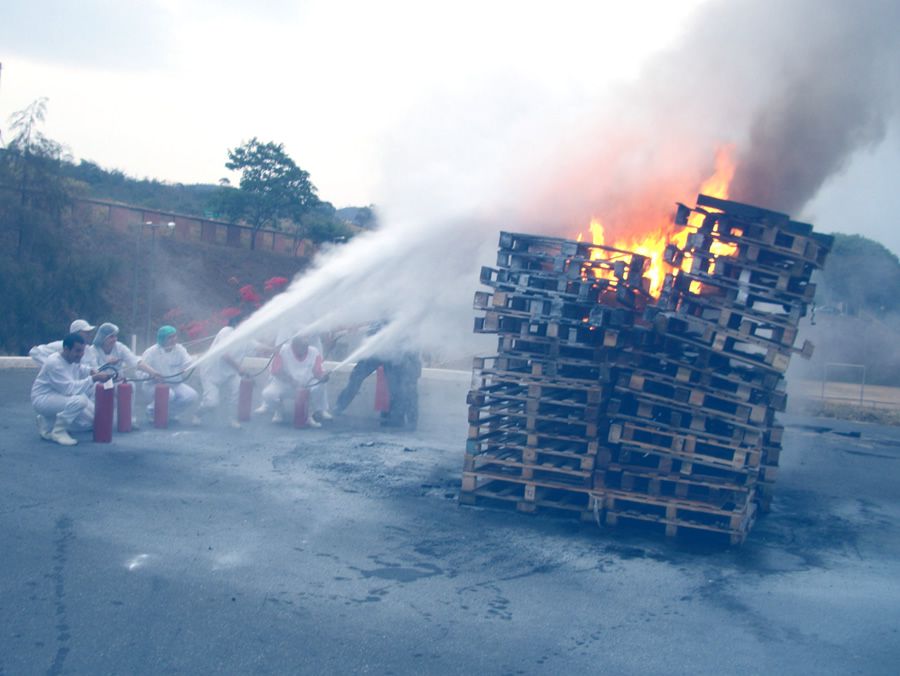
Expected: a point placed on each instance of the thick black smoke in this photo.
(795, 87)
(832, 92)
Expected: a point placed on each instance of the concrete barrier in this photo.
(17, 363)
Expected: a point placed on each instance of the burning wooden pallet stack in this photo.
(602, 403)
(537, 410)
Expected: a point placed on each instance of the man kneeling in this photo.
(297, 365)
(62, 392)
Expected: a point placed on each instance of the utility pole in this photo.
(135, 279)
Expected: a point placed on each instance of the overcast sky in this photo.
(374, 99)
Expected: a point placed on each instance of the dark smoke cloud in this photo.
(834, 92)
(796, 87)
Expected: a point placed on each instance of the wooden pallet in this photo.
(672, 485)
(731, 385)
(526, 465)
(742, 276)
(719, 310)
(732, 519)
(663, 442)
(675, 528)
(637, 461)
(708, 332)
(501, 385)
(580, 454)
(684, 420)
(515, 416)
(546, 307)
(766, 230)
(539, 282)
(481, 421)
(715, 402)
(774, 264)
(545, 408)
(528, 497)
(551, 337)
(528, 370)
(485, 439)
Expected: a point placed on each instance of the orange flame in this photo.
(717, 184)
(653, 243)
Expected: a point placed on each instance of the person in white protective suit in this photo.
(168, 362)
(296, 366)
(284, 335)
(40, 352)
(107, 350)
(61, 393)
(221, 378)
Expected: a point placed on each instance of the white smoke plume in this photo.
(796, 88)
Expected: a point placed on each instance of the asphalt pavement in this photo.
(343, 550)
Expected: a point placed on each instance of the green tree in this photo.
(272, 187)
(320, 224)
(365, 217)
(861, 275)
(31, 166)
(43, 284)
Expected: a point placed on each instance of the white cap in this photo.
(80, 325)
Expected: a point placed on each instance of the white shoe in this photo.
(262, 408)
(278, 417)
(325, 415)
(60, 435)
(43, 427)
(312, 422)
(235, 425)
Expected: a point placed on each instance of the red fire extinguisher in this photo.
(124, 397)
(245, 399)
(104, 403)
(301, 408)
(382, 393)
(161, 406)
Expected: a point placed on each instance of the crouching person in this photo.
(297, 366)
(167, 362)
(221, 378)
(62, 392)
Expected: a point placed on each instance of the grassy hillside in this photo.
(70, 270)
(91, 180)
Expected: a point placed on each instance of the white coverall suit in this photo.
(40, 353)
(291, 374)
(219, 378)
(96, 357)
(64, 391)
(175, 361)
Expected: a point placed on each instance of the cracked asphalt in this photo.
(343, 550)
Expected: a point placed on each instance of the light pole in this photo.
(150, 275)
(134, 280)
